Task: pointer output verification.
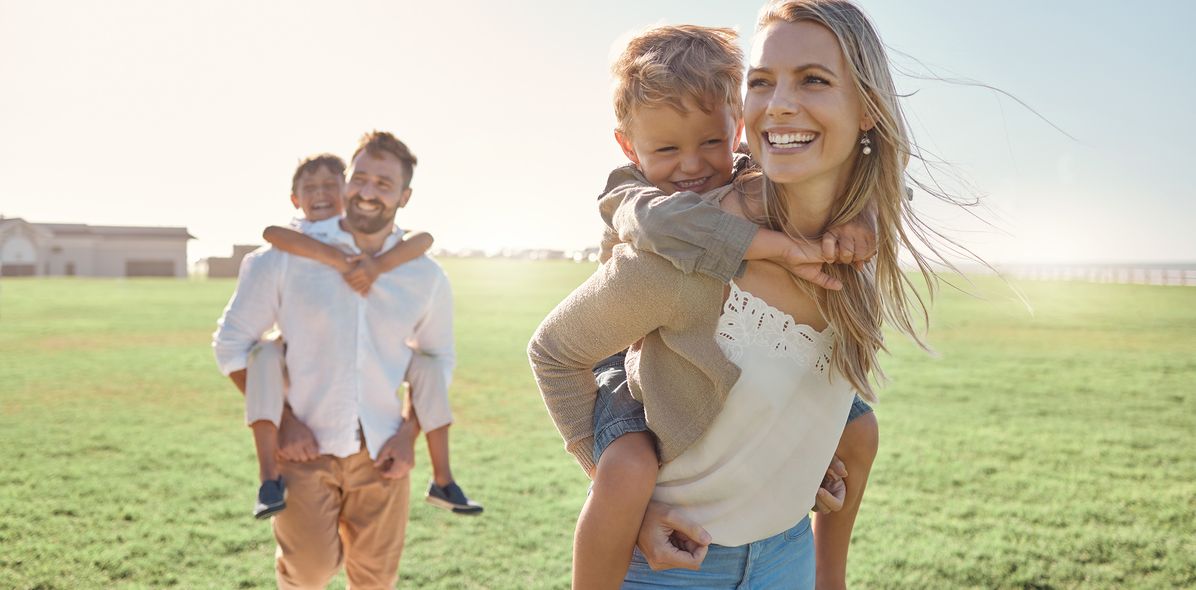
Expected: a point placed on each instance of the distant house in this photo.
(218, 267)
(75, 249)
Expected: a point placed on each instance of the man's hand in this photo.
(397, 456)
(669, 539)
(853, 242)
(833, 490)
(363, 274)
(296, 443)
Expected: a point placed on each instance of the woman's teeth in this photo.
(784, 140)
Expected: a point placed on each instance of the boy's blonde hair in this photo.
(667, 65)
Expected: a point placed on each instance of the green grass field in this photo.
(1053, 449)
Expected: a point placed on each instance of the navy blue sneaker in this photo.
(271, 499)
(451, 497)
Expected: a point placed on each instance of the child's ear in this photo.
(738, 135)
(628, 149)
(295, 200)
(406, 196)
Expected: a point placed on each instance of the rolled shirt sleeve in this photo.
(252, 310)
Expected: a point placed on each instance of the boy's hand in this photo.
(853, 242)
(363, 274)
(397, 456)
(669, 539)
(804, 261)
(833, 490)
(296, 443)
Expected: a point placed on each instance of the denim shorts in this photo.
(616, 413)
(784, 560)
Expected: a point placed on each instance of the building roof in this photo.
(108, 231)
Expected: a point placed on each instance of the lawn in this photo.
(1052, 448)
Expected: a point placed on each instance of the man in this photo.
(346, 447)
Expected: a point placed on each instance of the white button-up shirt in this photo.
(347, 355)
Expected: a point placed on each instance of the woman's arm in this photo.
(293, 242)
(628, 297)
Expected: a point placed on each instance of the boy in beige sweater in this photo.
(678, 105)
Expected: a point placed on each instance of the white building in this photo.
(75, 249)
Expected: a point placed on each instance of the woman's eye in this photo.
(757, 82)
(815, 80)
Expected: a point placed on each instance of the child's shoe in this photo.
(451, 497)
(271, 499)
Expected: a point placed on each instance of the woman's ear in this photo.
(867, 122)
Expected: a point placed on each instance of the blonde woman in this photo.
(753, 380)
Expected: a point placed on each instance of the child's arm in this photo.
(293, 242)
(366, 269)
(691, 233)
(697, 236)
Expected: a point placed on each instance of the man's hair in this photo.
(376, 143)
(666, 65)
(310, 164)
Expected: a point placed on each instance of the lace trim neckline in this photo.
(748, 320)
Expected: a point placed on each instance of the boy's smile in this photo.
(319, 194)
(690, 151)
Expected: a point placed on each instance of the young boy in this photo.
(317, 188)
(678, 106)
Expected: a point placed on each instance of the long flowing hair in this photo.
(880, 293)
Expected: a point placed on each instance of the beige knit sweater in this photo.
(675, 367)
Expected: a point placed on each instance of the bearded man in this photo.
(346, 446)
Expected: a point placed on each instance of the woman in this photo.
(823, 122)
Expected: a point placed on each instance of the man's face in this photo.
(376, 191)
(320, 194)
(690, 151)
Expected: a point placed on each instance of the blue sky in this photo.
(181, 113)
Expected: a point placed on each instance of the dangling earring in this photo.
(867, 143)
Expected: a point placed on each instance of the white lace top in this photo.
(756, 470)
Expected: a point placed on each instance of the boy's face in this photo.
(690, 151)
(320, 193)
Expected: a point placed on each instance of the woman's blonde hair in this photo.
(882, 292)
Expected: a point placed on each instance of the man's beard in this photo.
(369, 224)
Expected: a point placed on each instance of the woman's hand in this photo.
(669, 539)
(833, 490)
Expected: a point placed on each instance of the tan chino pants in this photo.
(340, 510)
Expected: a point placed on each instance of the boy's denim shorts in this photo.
(616, 413)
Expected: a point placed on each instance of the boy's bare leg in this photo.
(438, 452)
(832, 531)
(265, 440)
(610, 520)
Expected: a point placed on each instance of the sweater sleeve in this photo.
(628, 297)
(692, 233)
